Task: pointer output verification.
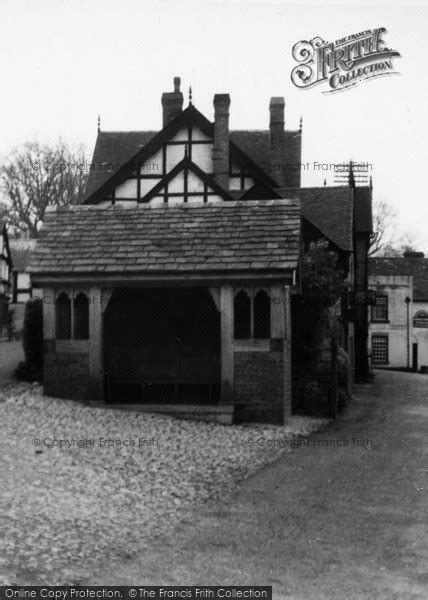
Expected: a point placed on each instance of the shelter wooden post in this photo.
(96, 377)
(227, 362)
(48, 313)
(287, 354)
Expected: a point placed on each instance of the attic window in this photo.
(252, 313)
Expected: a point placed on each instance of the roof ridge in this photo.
(292, 202)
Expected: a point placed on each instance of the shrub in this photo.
(32, 368)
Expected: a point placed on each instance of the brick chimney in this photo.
(172, 103)
(221, 139)
(276, 139)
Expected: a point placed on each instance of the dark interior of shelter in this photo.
(163, 346)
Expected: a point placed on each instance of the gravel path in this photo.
(11, 353)
(119, 480)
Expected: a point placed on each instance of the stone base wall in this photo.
(260, 393)
(66, 369)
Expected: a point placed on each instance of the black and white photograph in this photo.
(213, 300)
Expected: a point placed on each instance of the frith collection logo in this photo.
(343, 63)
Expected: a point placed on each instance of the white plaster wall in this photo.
(153, 165)
(203, 157)
(176, 185)
(174, 154)
(146, 185)
(199, 136)
(194, 183)
(23, 281)
(397, 288)
(128, 189)
(181, 136)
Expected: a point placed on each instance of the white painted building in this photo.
(21, 251)
(398, 324)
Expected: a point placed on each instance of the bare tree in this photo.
(386, 241)
(36, 176)
(384, 221)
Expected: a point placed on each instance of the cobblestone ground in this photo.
(119, 480)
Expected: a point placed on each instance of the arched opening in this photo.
(81, 317)
(242, 315)
(262, 315)
(63, 317)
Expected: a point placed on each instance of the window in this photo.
(81, 317)
(63, 317)
(380, 349)
(72, 317)
(380, 309)
(252, 314)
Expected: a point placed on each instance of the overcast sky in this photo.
(63, 62)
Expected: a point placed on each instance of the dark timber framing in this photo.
(189, 118)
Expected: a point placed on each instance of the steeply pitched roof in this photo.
(418, 267)
(256, 143)
(329, 209)
(113, 149)
(227, 237)
(21, 251)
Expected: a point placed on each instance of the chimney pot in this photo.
(177, 82)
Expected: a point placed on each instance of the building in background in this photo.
(398, 323)
(5, 274)
(21, 289)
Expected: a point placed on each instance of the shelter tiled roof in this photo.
(226, 237)
(418, 267)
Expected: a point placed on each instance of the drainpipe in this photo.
(408, 332)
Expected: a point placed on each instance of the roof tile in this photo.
(227, 236)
